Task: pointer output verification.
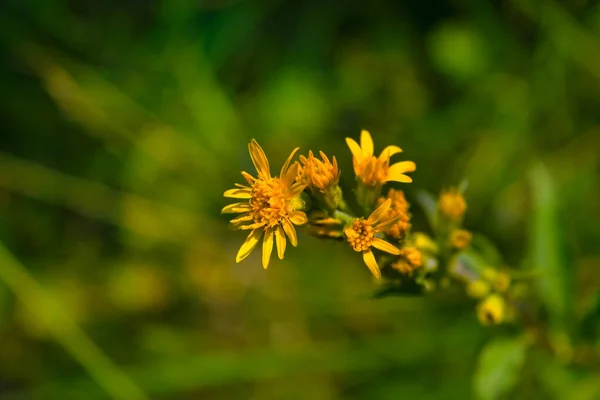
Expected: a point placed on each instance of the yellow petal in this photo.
(236, 208)
(251, 226)
(380, 212)
(280, 240)
(242, 218)
(238, 193)
(366, 143)
(389, 151)
(396, 171)
(287, 163)
(298, 217)
(369, 259)
(249, 178)
(259, 159)
(267, 247)
(355, 149)
(290, 231)
(297, 188)
(249, 244)
(385, 224)
(385, 246)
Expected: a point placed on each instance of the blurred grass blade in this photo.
(171, 376)
(546, 249)
(499, 367)
(95, 200)
(65, 330)
(104, 111)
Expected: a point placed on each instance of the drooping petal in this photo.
(259, 159)
(236, 208)
(288, 179)
(396, 171)
(242, 186)
(298, 217)
(284, 169)
(384, 224)
(290, 231)
(385, 246)
(249, 245)
(267, 247)
(357, 153)
(366, 143)
(389, 151)
(238, 193)
(297, 188)
(369, 259)
(380, 212)
(280, 240)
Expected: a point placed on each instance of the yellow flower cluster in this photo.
(271, 206)
(307, 193)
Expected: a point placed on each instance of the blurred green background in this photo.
(124, 122)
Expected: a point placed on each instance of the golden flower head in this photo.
(271, 207)
(460, 238)
(319, 175)
(491, 310)
(399, 210)
(452, 204)
(361, 235)
(410, 260)
(375, 171)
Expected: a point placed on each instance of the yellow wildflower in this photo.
(460, 238)
(361, 235)
(319, 175)
(271, 207)
(411, 259)
(491, 310)
(452, 204)
(398, 209)
(375, 171)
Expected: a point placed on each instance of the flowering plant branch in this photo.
(307, 193)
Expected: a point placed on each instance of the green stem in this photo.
(344, 217)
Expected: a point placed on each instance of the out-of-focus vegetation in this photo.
(124, 122)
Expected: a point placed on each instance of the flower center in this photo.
(269, 203)
(360, 234)
(373, 171)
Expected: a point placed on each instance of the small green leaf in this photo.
(498, 368)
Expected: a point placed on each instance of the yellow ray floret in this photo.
(375, 171)
(271, 206)
(361, 235)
